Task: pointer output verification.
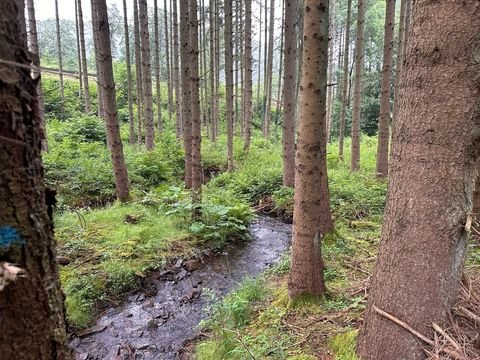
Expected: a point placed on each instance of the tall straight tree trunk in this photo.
(157, 65)
(259, 65)
(216, 115)
(213, 72)
(60, 59)
(345, 82)
(280, 67)
(357, 86)
(81, 28)
(203, 40)
(79, 55)
(186, 89)
(399, 62)
(268, 94)
(138, 70)
(146, 75)
(331, 71)
(33, 36)
(289, 85)
(229, 81)
(384, 120)
(248, 84)
(300, 50)
(434, 166)
(176, 73)
(104, 56)
(33, 316)
(311, 217)
(131, 123)
(408, 15)
(167, 56)
(97, 67)
(242, 66)
(195, 103)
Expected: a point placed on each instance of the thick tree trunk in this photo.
(131, 123)
(345, 82)
(146, 76)
(157, 65)
(434, 165)
(196, 121)
(357, 86)
(186, 89)
(289, 85)
(167, 56)
(32, 323)
(60, 59)
(176, 73)
(384, 120)
(138, 70)
(213, 72)
(268, 93)
(105, 75)
(229, 81)
(248, 84)
(311, 217)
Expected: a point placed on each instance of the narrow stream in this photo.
(156, 324)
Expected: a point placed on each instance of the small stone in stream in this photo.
(148, 304)
(63, 260)
(140, 297)
(152, 324)
(179, 263)
(192, 265)
(162, 313)
(181, 275)
(129, 315)
(83, 356)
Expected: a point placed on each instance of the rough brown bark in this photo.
(105, 75)
(157, 65)
(289, 85)
(146, 75)
(167, 56)
(229, 81)
(217, 65)
(399, 62)
(311, 216)
(434, 165)
(138, 70)
(268, 85)
(131, 122)
(279, 99)
(176, 73)
(345, 73)
(384, 120)
(357, 86)
(213, 72)
(248, 83)
(259, 66)
(331, 71)
(186, 90)
(32, 325)
(60, 58)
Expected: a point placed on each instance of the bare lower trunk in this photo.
(248, 84)
(434, 166)
(32, 323)
(229, 81)
(384, 120)
(311, 217)
(345, 82)
(357, 87)
(288, 134)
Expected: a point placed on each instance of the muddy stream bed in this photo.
(158, 322)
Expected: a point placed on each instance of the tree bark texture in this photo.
(176, 73)
(399, 62)
(229, 81)
(157, 65)
(434, 166)
(167, 57)
(268, 85)
(345, 82)
(213, 72)
(248, 83)
(60, 59)
(138, 70)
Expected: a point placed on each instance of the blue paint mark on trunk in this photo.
(9, 236)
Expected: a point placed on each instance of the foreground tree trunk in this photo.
(105, 75)
(229, 81)
(384, 120)
(131, 122)
(357, 86)
(345, 73)
(399, 62)
(311, 216)
(146, 76)
(248, 83)
(434, 165)
(289, 85)
(32, 323)
(60, 59)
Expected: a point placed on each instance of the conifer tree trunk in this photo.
(434, 167)
(138, 70)
(259, 65)
(167, 56)
(345, 81)
(357, 86)
(384, 120)
(408, 15)
(229, 81)
(32, 312)
(311, 217)
(331, 71)
(268, 93)
(60, 59)
(146, 75)
(399, 62)
(79, 56)
(186, 89)
(247, 89)
(131, 123)
(157, 66)
(279, 99)
(105, 74)
(176, 73)
(97, 67)
(213, 72)
(289, 85)
(196, 121)
(81, 28)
